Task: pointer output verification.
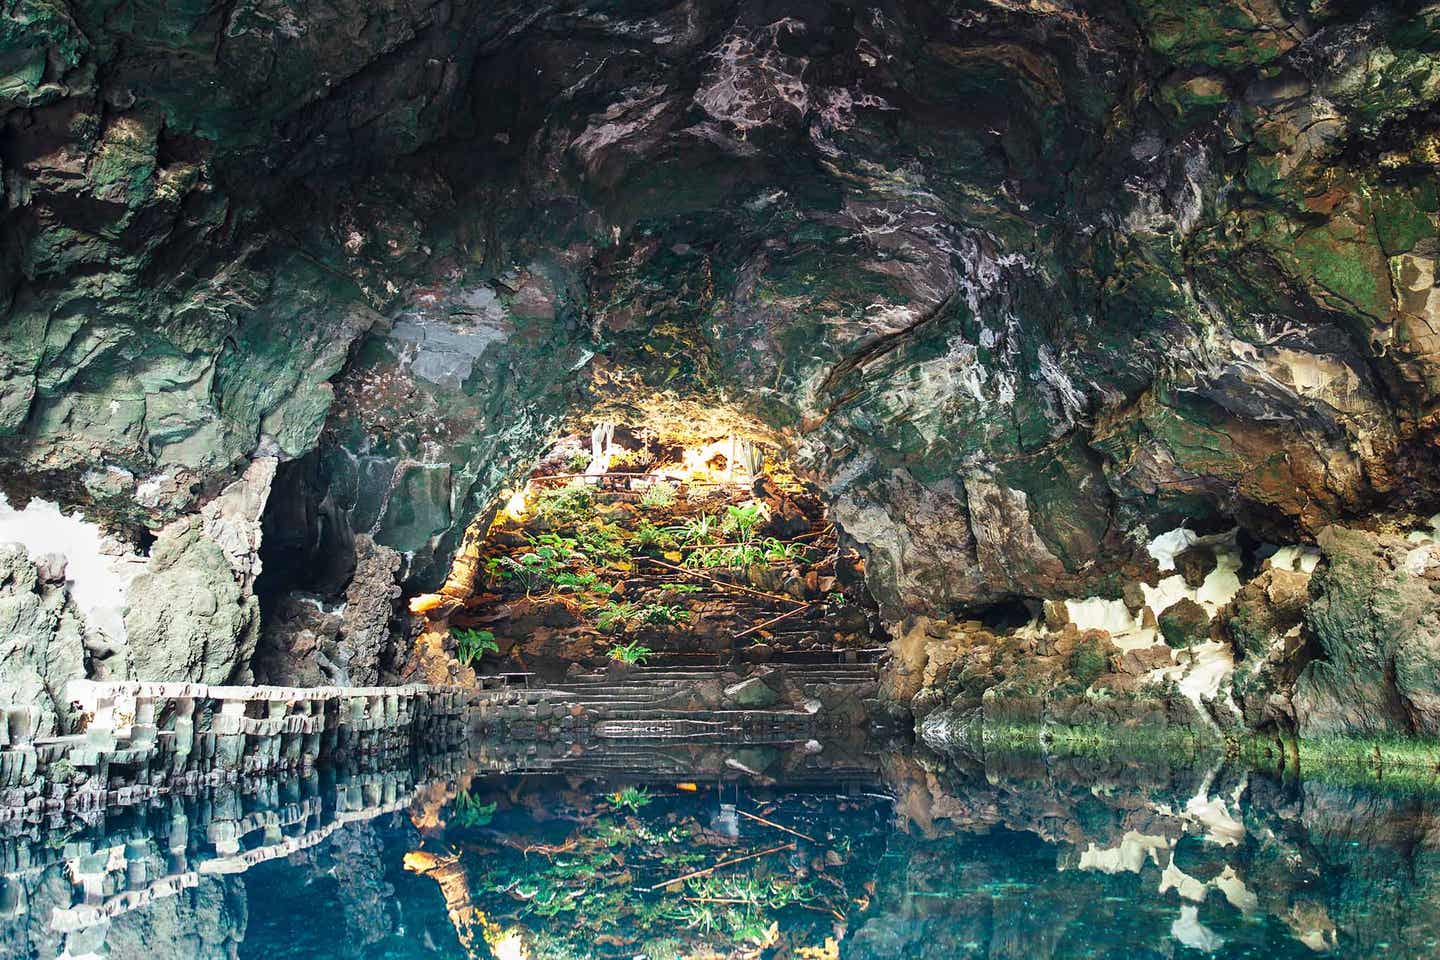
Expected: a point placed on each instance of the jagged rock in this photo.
(1195, 563)
(232, 520)
(366, 632)
(188, 617)
(1375, 624)
(1140, 662)
(1262, 624)
(1133, 596)
(42, 642)
(1184, 623)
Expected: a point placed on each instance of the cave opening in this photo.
(661, 540)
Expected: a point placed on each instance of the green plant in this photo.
(648, 535)
(632, 652)
(740, 521)
(658, 496)
(630, 459)
(577, 462)
(602, 541)
(567, 505)
(740, 555)
(664, 613)
(470, 812)
(615, 615)
(471, 645)
(631, 798)
(581, 582)
(777, 552)
(530, 570)
(701, 528)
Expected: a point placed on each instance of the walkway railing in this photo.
(140, 740)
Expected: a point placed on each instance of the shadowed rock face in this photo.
(1023, 284)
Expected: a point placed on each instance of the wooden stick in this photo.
(724, 583)
(715, 546)
(653, 476)
(723, 863)
(771, 823)
(772, 621)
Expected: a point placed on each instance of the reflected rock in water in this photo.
(786, 850)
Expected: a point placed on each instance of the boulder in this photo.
(1184, 623)
(1139, 662)
(1195, 563)
(42, 643)
(1373, 627)
(188, 618)
(753, 693)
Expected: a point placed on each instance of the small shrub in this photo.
(581, 583)
(470, 812)
(602, 541)
(632, 652)
(631, 798)
(698, 529)
(742, 555)
(647, 535)
(658, 496)
(740, 521)
(471, 645)
(567, 505)
(614, 615)
(664, 613)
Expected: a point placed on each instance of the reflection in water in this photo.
(822, 851)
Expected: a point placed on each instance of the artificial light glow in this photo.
(695, 461)
(510, 947)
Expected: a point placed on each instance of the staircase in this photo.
(680, 701)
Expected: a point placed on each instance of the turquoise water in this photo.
(867, 853)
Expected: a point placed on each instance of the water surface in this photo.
(823, 852)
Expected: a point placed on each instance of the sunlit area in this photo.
(638, 545)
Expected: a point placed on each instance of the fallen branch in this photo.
(723, 863)
(724, 583)
(773, 620)
(771, 823)
(747, 543)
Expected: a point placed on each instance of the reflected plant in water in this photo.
(470, 812)
(471, 644)
(631, 798)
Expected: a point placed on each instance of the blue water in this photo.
(873, 854)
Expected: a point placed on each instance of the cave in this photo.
(627, 542)
(787, 430)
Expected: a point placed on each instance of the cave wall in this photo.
(1024, 285)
